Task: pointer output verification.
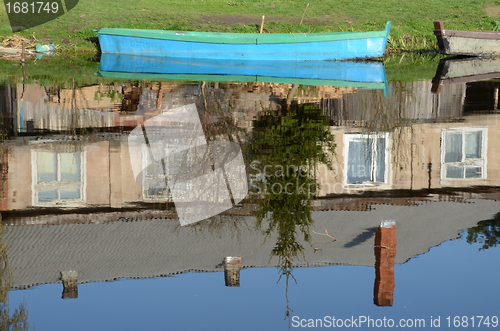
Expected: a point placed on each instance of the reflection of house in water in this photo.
(89, 178)
(40, 108)
(418, 156)
(141, 246)
(409, 102)
(414, 140)
(7, 110)
(45, 108)
(422, 152)
(53, 172)
(482, 97)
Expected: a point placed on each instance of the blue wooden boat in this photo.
(247, 46)
(365, 75)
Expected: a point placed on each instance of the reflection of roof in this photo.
(159, 247)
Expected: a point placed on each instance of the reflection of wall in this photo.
(79, 174)
(40, 108)
(422, 156)
(415, 159)
(66, 110)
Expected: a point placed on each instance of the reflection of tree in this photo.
(19, 319)
(286, 150)
(485, 232)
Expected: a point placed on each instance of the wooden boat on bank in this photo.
(247, 46)
(363, 75)
(472, 43)
(465, 70)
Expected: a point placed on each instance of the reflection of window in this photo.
(58, 178)
(463, 153)
(367, 159)
(154, 179)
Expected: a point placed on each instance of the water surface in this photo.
(362, 207)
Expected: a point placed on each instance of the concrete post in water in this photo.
(232, 267)
(385, 255)
(70, 284)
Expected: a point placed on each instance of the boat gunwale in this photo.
(244, 38)
(382, 85)
(440, 31)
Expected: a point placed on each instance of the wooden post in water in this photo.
(4, 178)
(232, 267)
(23, 52)
(70, 284)
(385, 255)
(23, 56)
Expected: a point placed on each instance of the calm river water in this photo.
(152, 204)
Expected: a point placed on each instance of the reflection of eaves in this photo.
(406, 198)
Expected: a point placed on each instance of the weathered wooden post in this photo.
(70, 284)
(232, 267)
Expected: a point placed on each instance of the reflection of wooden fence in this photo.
(409, 102)
(7, 109)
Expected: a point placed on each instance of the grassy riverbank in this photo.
(412, 20)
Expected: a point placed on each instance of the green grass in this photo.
(412, 20)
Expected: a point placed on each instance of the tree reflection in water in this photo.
(486, 232)
(19, 319)
(286, 150)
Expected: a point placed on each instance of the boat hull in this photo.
(471, 43)
(272, 47)
(367, 75)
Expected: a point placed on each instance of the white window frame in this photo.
(58, 185)
(475, 162)
(348, 137)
